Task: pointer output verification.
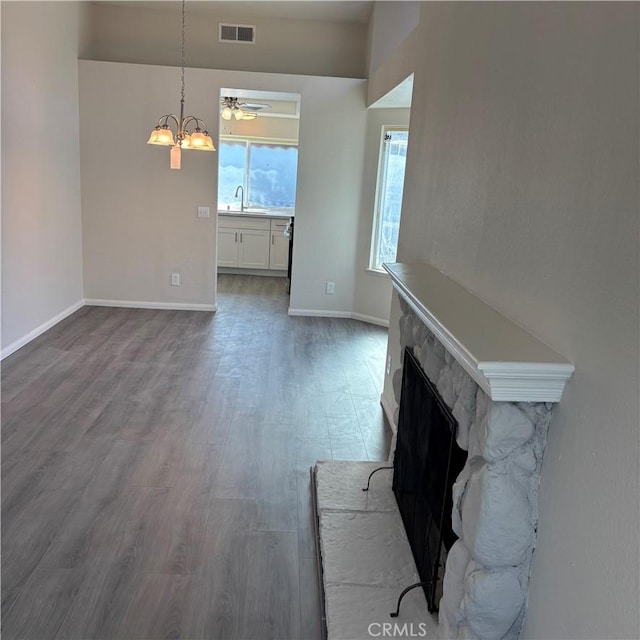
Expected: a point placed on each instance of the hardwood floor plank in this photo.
(310, 628)
(39, 611)
(21, 370)
(239, 472)
(155, 466)
(160, 463)
(348, 448)
(159, 608)
(114, 570)
(225, 572)
(272, 596)
(276, 489)
(178, 546)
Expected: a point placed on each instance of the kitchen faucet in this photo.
(240, 188)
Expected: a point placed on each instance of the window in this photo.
(266, 170)
(386, 221)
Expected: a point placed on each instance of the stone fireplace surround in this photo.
(499, 382)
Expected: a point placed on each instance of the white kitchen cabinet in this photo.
(227, 247)
(246, 242)
(253, 249)
(279, 250)
(243, 242)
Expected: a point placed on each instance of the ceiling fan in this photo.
(233, 108)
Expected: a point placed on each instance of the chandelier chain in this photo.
(182, 53)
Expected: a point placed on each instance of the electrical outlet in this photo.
(331, 287)
(388, 363)
(175, 279)
(203, 212)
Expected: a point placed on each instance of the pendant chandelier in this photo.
(190, 132)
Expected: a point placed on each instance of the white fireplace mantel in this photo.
(506, 361)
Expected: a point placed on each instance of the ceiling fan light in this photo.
(226, 114)
(238, 113)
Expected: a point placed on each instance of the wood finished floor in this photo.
(155, 467)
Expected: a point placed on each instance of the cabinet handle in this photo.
(241, 236)
(273, 238)
(236, 236)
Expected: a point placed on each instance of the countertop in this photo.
(257, 214)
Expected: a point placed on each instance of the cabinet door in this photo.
(227, 247)
(253, 249)
(279, 255)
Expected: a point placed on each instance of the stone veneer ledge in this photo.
(495, 497)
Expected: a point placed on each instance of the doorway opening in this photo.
(257, 178)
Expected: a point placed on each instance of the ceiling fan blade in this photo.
(250, 106)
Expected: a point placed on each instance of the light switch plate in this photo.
(203, 212)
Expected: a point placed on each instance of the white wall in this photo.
(372, 294)
(41, 225)
(139, 217)
(390, 25)
(152, 36)
(330, 157)
(393, 43)
(522, 184)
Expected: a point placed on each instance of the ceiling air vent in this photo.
(243, 33)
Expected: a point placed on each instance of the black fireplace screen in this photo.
(427, 462)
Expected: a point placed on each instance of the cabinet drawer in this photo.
(243, 222)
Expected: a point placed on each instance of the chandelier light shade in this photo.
(190, 132)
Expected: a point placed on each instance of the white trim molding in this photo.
(381, 322)
(506, 361)
(319, 313)
(45, 326)
(322, 313)
(136, 304)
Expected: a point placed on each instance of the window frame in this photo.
(248, 141)
(381, 181)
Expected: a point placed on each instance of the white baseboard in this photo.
(321, 313)
(136, 304)
(381, 322)
(45, 326)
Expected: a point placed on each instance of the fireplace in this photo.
(427, 461)
(494, 385)
(499, 382)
